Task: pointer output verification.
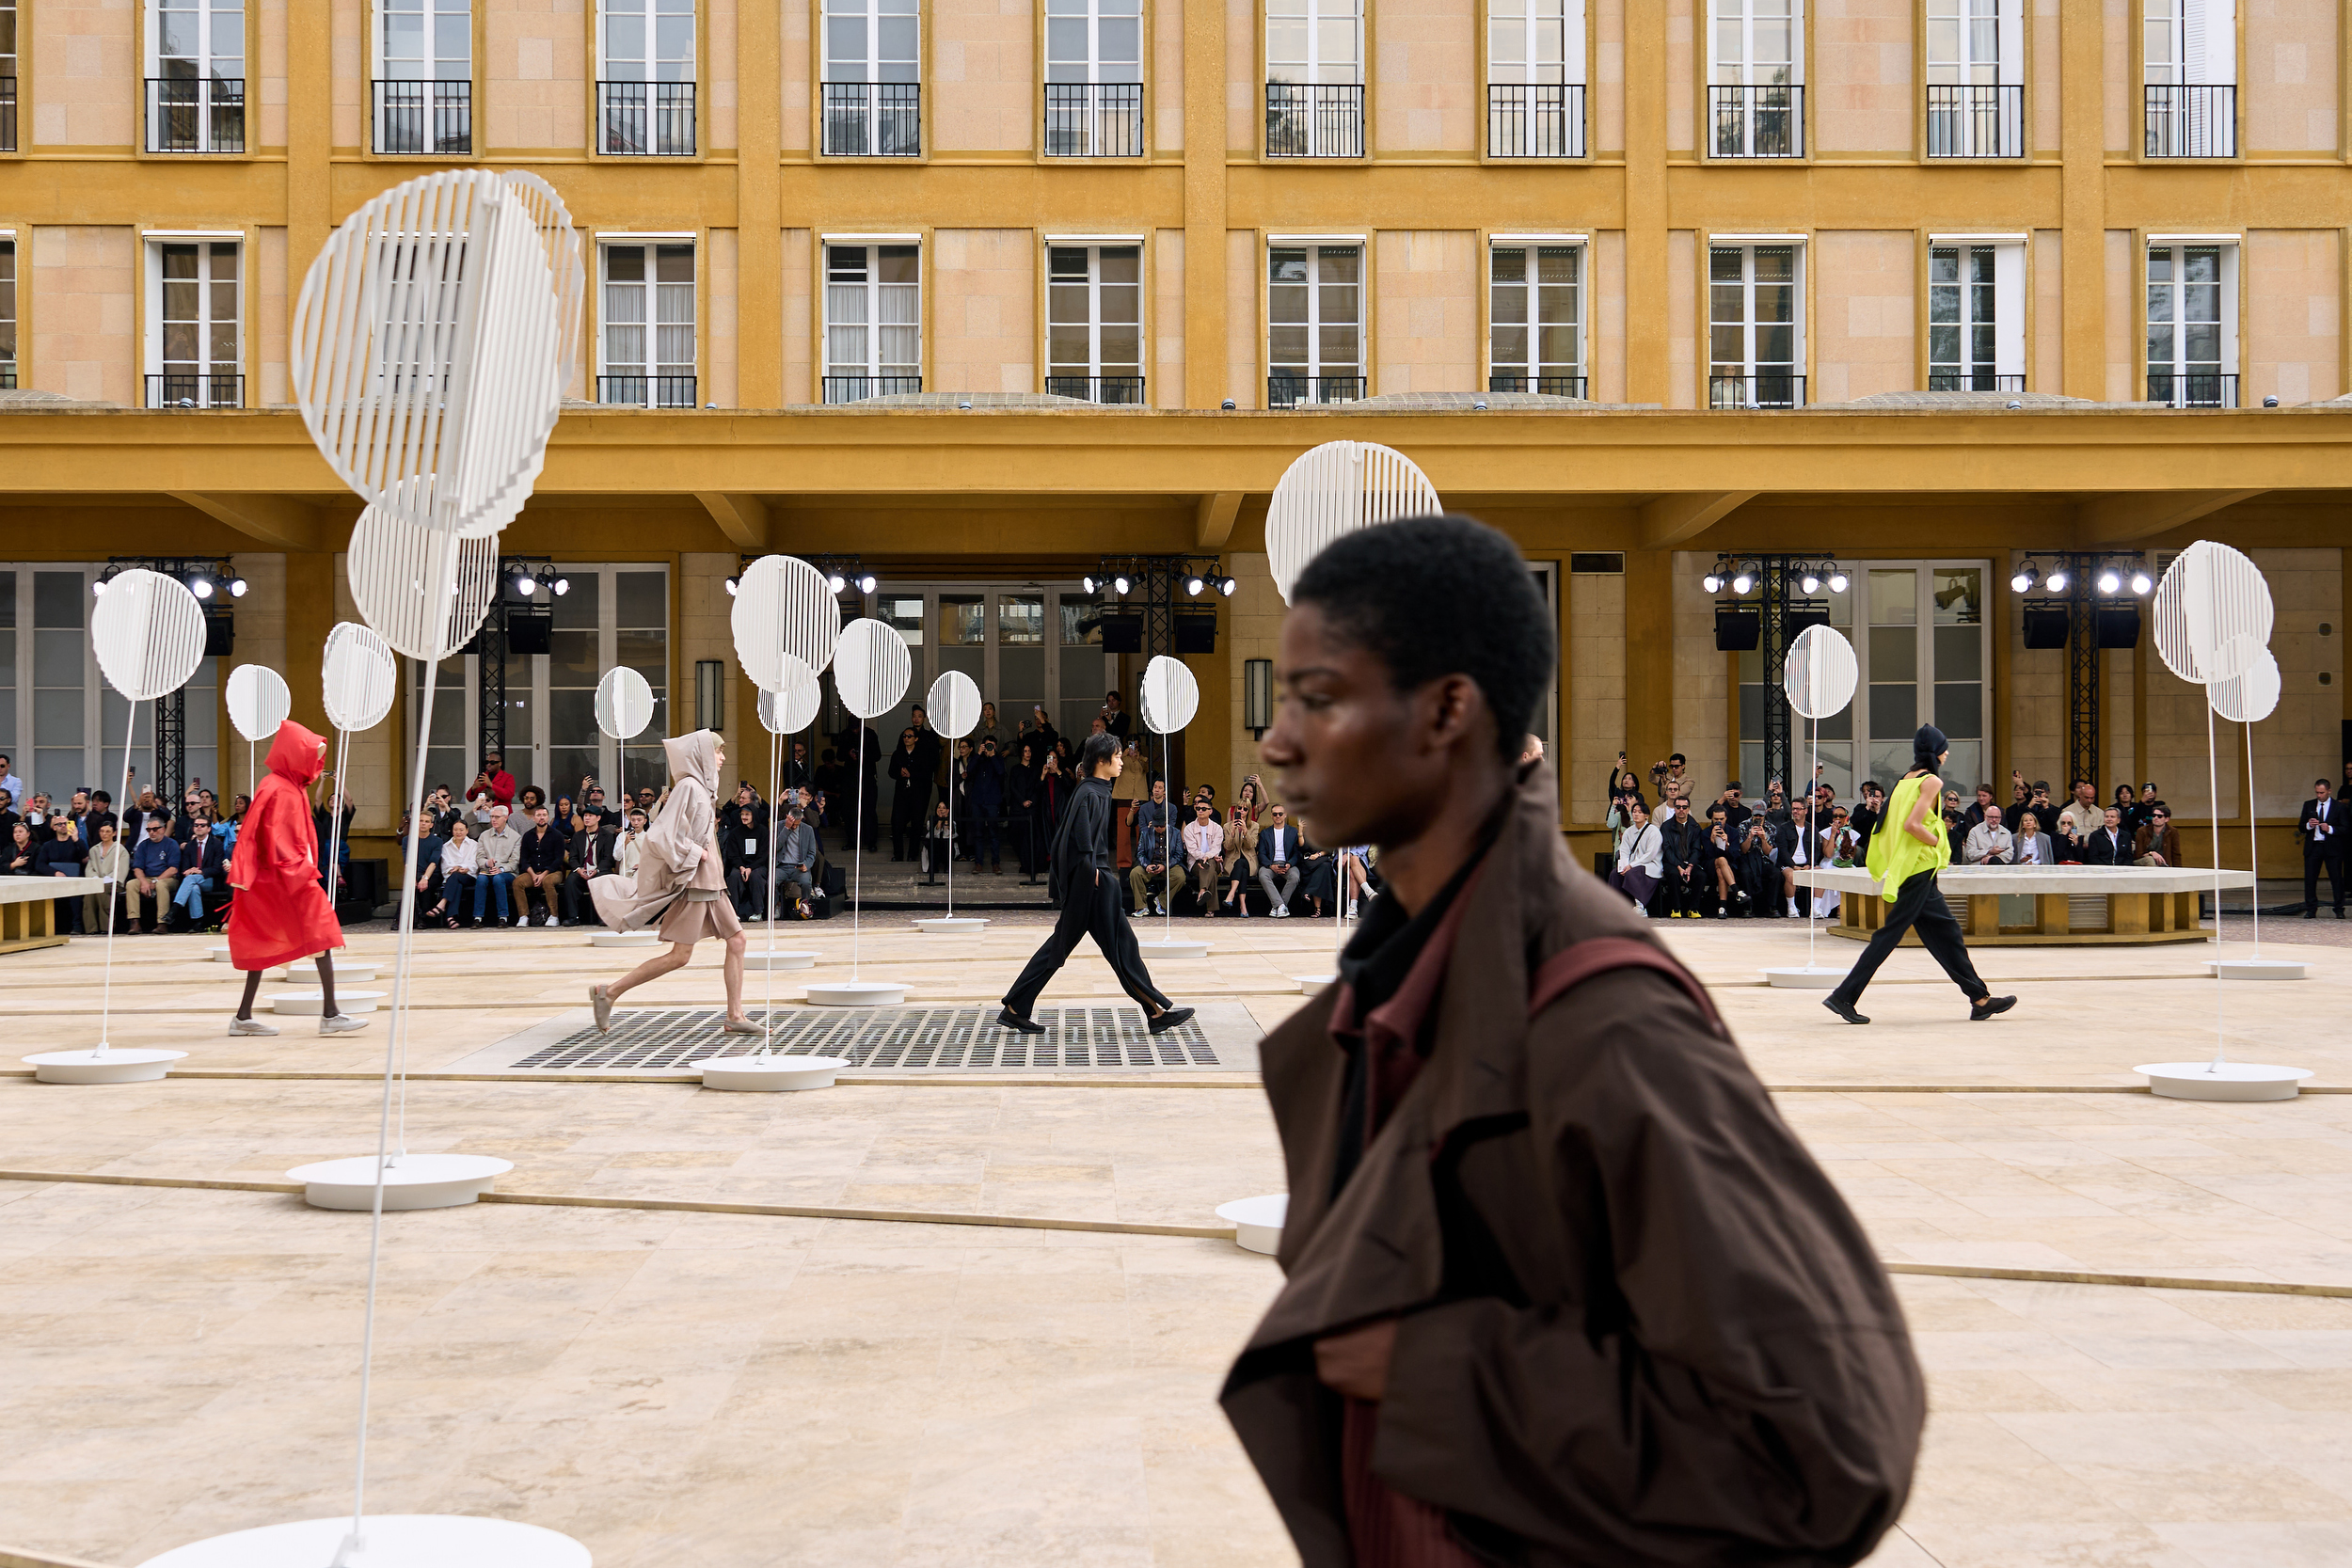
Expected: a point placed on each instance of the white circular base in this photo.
(856, 993)
(2229, 1081)
(2258, 969)
(624, 939)
(410, 1181)
(355, 972)
(1175, 947)
(1806, 977)
(217, 953)
(951, 925)
(1257, 1221)
(310, 1003)
(770, 1074)
(393, 1541)
(1311, 984)
(102, 1067)
(777, 957)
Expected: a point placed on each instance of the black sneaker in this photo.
(1008, 1019)
(1992, 1006)
(1160, 1023)
(1843, 1009)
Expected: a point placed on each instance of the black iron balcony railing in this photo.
(1125, 389)
(646, 391)
(1542, 119)
(873, 119)
(422, 117)
(1549, 386)
(645, 120)
(195, 114)
(2194, 389)
(1972, 381)
(1975, 120)
(1756, 122)
(2193, 121)
(1771, 389)
(857, 389)
(8, 378)
(1094, 119)
(7, 114)
(195, 390)
(1315, 121)
(1306, 391)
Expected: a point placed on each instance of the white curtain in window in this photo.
(1315, 41)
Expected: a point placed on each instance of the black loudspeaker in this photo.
(1800, 619)
(220, 634)
(1195, 632)
(2119, 626)
(2045, 628)
(1738, 631)
(1122, 634)
(530, 631)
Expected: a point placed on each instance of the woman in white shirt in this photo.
(1641, 857)
(461, 862)
(2032, 845)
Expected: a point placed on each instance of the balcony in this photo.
(1309, 391)
(2192, 122)
(7, 114)
(873, 119)
(1771, 389)
(1544, 119)
(1972, 381)
(1126, 391)
(1315, 121)
(195, 114)
(857, 389)
(1975, 120)
(1756, 122)
(645, 391)
(424, 118)
(2194, 389)
(1549, 386)
(645, 120)
(195, 390)
(8, 378)
(1094, 119)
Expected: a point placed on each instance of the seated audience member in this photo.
(630, 848)
(1153, 875)
(593, 855)
(154, 869)
(501, 858)
(797, 862)
(2031, 845)
(1975, 814)
(1204, 856)
(203, 869)
(1640, 856)
(1989, 843)
(543, 865)
(1241, 842)
(1277, 860)
(1683, 856)
(1727, 860)
(1357, 874)
(22, 852)
(2127, 810)
(110, 863)
(2108, 845)
(1318, 878)
(461, 860)
(1840, 844)
(739, 854)
(64, 855)
(1795, 850)
(2158, 842)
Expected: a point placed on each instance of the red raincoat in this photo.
(281, 914)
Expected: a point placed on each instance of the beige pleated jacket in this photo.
(679, 849)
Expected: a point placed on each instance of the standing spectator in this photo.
(461, 861)
(1053, 787)
(2032, 846)
(1989, 843)
(204, 866)
(907, 790)
(1116, 720)
(1278, 855)
(593, 853)
(501, 858)
(1042, 730)
(1152, 877)
(494, 781)
(739, 854)
(9, 816)
(2158, 842)
(2107, 845)
(543, 866)
(927, 757)
(797, 774)
(2321, 825)
(1867, 814)
(795, 863)
(1020, 797)
(154, 869)
(988, 729)
(8, 780)
(2078, 821)
(1204, 856)
(1249, 799)
(1640, 854)
(984, 804)
(101, 814)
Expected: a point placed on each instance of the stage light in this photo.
(1089, 583)
(201, 587)
(1713, 582)
(522, 585)
(100, 587)
(1193, 585)
(2055, 581)
(1838, 582)
(835, 581)
(1226, 587)
(236, 587)
(2142, 584)
(2110, 581)
(1743, 582)
(865, 583)
(2024, 578)
(1118, 584)
(731, 586)
(1809, 583)
(562, 586)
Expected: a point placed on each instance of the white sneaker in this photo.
(1281, 911)
(339, 1023)
(249, 1026)
(547, 919)
(1351, 909)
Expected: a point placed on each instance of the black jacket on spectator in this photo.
(208, 860)
(61, 855)
(1684, 844)
(600, 849)
(544, 851)
(741, 846)
(2101, 849)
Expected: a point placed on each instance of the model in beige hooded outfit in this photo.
(679, 882)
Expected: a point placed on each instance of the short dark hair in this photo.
(1435, 597)
(1097, 749)
(1676, 756)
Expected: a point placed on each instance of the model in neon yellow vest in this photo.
(1895, 853)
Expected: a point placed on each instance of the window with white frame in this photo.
(1754, 76)
(2189, 68)
(1314, 324)
(7, 75)
(1976, 318)
(423, 71)
(1535, 319)
(1535, 78)
(2192, 325)
(873, 93)
(1976, 75)
(7, 313)
(195, 76)
(873, 321)
(1314, 68)
(195, 339)
(1093, 78)
(1094, 321)
(1756, 327)
(645, 353)
(646, 77)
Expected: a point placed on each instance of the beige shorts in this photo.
(690, 920)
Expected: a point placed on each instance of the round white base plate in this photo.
(218, 953)
(857, 993)
(355, 971)
(624, 939)
(1314, 983)
(2258, 969)
(393, 1541)
(2229, 1081)
(309, 1004)
(1257, 1221)
(411, 1180)
(769, 1073)
(1175, 947)
(951, 925)
(1806, 977)
(102, 1067)
(778, 957)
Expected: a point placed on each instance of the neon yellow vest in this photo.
(1896, 857)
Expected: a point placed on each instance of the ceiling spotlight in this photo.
(1838, 582)
(236, 587)
(1713, 582)
(2110, 581)
(2024, 578)
(201, 588)
(1226, 586)
(523, 585)
(732, 584)
(1809, 583)
(1120, 585)
(1743, 582)
(1088, 583)
(100, 587)
(865, 583)
(835, 581)
(2055, 581)
(562, 586)
(2142, 584)
(1194, 584)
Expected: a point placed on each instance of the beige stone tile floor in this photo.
(719, 1389)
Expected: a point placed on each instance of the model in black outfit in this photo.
(1086, 882)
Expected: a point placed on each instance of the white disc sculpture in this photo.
(954, 711)
(393, 1541)
(1170, 698)
(2248, 698)
(1256, 1222)
(356, 678)
(624, 708)
(257, 702)
(1820, 678)
(2213, 630)
(870, 670)
(781, 714)
(1336, 488)
(148, 632)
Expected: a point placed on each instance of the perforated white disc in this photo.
(148, 632)
(425, 592)
(2251, 695)
(954, 704)
(871, 668)
(792, 709)
(1821, 674)
(1336, 488)
(358, 677)
(1170, 694)
(258, 701)
(624, 704)
(2213, 611)
(783, 605)
(565, 268)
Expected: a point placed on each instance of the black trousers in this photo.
(1093, 909)
(2331, 855)
(1920, 903)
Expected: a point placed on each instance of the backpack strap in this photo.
(1573, 965)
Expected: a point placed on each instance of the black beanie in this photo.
(1928, 743)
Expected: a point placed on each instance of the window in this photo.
(1535, 78)
(7, 75)
(1315, 96)
(195, 351)
(1535, 339)
(1094, 322)
(7, 315)
(195, 76)
(1976, 318)
(873, 321)
(648, 348)
(1314, 325)
(873, 76)
(1755, 66)
(645, 78)
(2190, 71)
(1755, 331)
(1975, 92)
(2192, 325)
(1093, 78)
(424, 77)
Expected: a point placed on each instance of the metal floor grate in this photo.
(958, 1040)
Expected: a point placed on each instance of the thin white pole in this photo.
(857, 848)
(775, 824)
(2254, 846)
(951, 836)
(1813, 850)
(1167, 824)
(2212, 792)
(106, 1005)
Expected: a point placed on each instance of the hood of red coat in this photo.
(297, 753)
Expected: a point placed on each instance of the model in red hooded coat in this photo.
(281, 914)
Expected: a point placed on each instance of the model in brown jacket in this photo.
(1562, 1286)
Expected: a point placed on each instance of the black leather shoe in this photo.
(1990, 1007)
(1008, 1019)
(1160, 1023)
(1843, 1009)
(2312, 913)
